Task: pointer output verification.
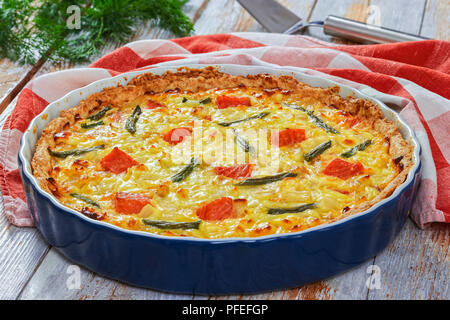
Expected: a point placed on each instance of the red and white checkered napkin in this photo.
(412, 75)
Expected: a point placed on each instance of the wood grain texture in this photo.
(401, 15)
(13, 77)
(352, 9)
(346, 286)
(436, 21)
(53, 280)
(416, 265)
(21, 250)
(10, 74)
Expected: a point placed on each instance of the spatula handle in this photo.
(364, 33)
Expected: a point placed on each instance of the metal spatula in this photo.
(276, 18)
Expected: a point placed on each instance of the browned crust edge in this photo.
(186, 79)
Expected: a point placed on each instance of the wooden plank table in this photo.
(415, 266)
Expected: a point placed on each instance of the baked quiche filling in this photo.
(217, 162)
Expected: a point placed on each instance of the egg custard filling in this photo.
(205, 154)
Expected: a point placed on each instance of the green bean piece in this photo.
(205, 101)
(256, 116)
(317, 151)
(360, 147)
(130, 125)
(172, 225)
(243, 143)
(298, 209)
(100, 114)
(267, 179)
(202, 101)
(186, 171)
(74, 152)
(315, 119)
(319, 123)
(294, 106)
(92, 125)
(85, 199)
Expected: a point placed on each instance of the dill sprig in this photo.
(30, 29)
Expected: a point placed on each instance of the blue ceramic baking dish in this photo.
(225, 266)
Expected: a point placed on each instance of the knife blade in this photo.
(271, 15)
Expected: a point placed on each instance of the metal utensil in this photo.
(364, 33)
(276, 18)
(271, 15)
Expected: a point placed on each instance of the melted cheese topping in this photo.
(216, 146)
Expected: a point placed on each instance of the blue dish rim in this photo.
(293, 72)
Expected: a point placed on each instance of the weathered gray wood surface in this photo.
(436, 20)
(414, 266)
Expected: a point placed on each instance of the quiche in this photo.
(206, 154)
